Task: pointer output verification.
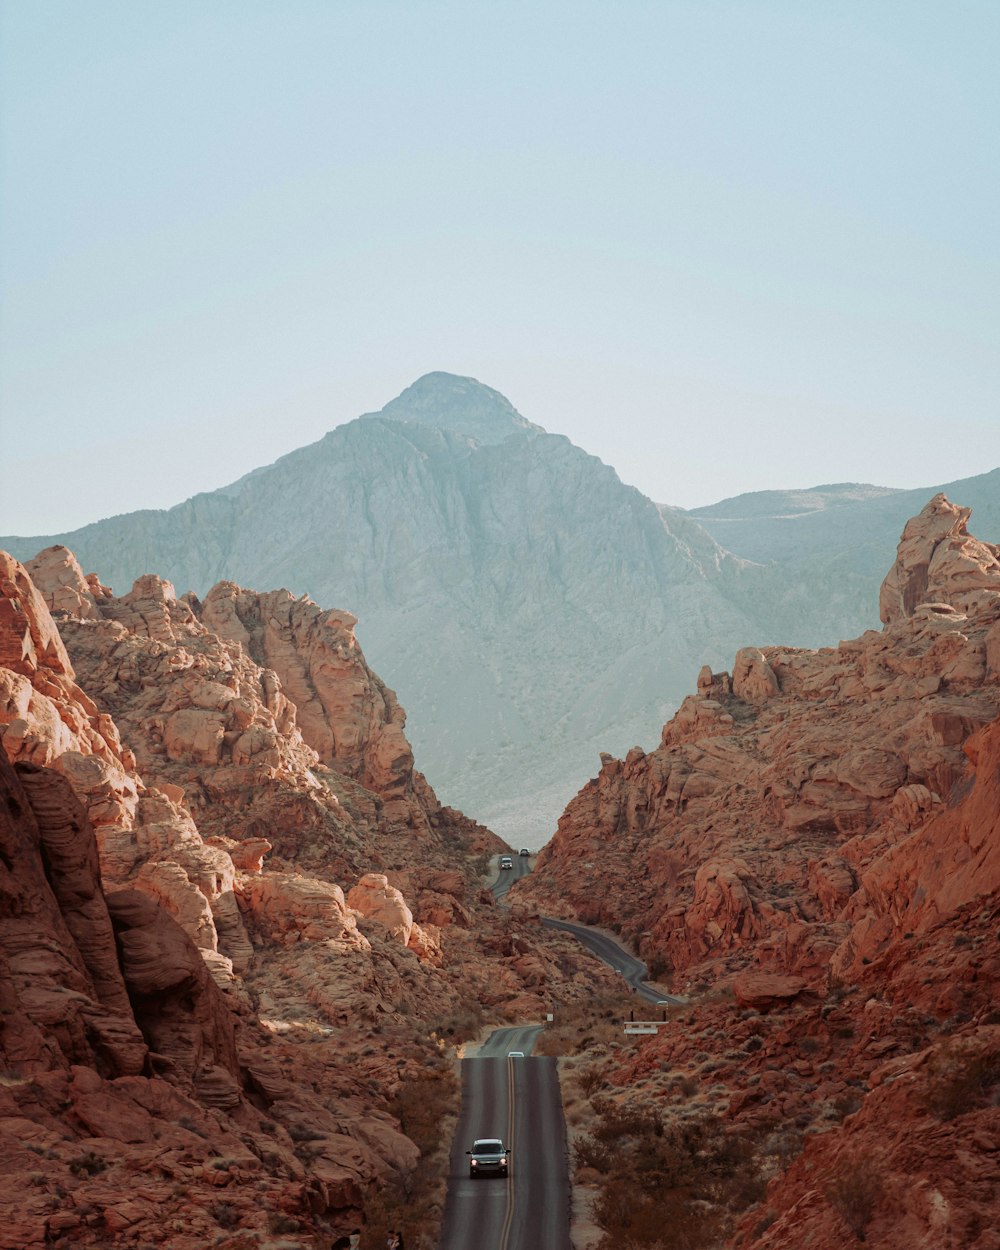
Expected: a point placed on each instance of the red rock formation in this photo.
(771, 792)
(812, 854)
(130, 1061)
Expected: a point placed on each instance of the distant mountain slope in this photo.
(529, 609)
(799, 524)
(817, 556)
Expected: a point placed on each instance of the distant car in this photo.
(524, 851)
(506, 861)
(488, 1157)
(515, 1054)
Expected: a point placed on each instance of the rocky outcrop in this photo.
(213, 978)
(811, 857)
(939, 562)
(116, 1046)
(774, 791)
(350, 719)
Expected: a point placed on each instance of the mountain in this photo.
(529, 609)
(823, 523)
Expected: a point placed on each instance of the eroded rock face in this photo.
(123, 1060)
(773, 794)
(939, 562)
(346, 714)
(813, 860)
(65, 1001)
(187, 994)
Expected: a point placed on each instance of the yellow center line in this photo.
(509, 1217)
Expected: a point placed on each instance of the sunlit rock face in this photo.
(812, 856)
(214, 945)
(774, 789)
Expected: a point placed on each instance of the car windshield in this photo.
(487, 1148)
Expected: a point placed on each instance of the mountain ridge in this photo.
(529, 608)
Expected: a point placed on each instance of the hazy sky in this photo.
(723, 246)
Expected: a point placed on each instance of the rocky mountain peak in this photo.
(464, 405)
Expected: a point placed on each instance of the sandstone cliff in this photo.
(226, 952)
(811, 856)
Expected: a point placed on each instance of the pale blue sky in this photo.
(723, 246)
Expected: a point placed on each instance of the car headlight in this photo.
(474, 1164)
(503, 1161)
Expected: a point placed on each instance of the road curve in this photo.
(518, 1100)
(616, 956)
(507, 876)
(632, 969)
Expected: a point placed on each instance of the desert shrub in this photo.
(298, 1132)
(690, 1177)
(579, 1027)
(225, 1214)
(413, 1201)
(960, 1081)
(591, 1153)
(848, 1102)
(854, 1191)
(279, 1223)
(88, 1164)
(591, 1079)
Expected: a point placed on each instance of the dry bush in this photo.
(960, 1081)
(590, 1080)
(579, 1027)
(691, 1177)
(854, 1192)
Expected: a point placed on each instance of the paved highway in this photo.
(606, 948)
(517, 1100)
(617, 957)
(507, 876)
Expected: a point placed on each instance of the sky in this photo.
(723, 246)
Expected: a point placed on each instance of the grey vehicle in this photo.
(488, 1157)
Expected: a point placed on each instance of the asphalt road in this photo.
(507, 876)
(517, 1100)
(633, 970)
(616, 956)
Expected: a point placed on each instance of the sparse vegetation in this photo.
(88, 1164)
(692, 1177)
(414, 1201)
(960, 1081)
(854, 1192)
(583, 1026)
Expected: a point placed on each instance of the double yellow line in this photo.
(509, 1217)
